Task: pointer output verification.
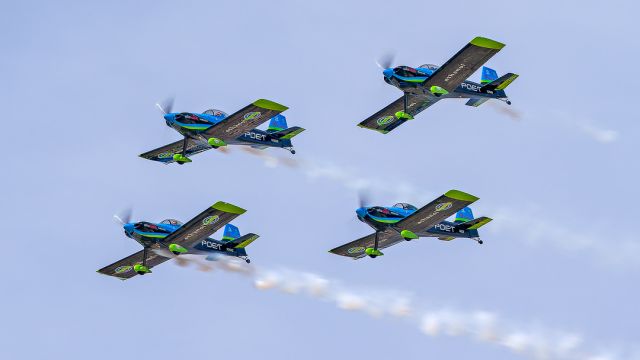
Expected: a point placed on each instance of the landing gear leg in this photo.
(182, 158)
(142, 269)
(374, 252)
(404, 114)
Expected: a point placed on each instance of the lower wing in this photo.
(385, 120)
(123, 269)
(164, 154)
(356, 249)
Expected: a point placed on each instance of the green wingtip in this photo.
(269, 105)
(459, 195)
(487, 43)
(229, 208)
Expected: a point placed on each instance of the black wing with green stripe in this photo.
(249, 117)
(436, 211)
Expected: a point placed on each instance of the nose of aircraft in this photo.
(362, 213)
(388, 73)
(169, 117)
(128, 228)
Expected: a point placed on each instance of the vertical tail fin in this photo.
(488, 75)
(464, 215)
(277, 123)
(231, 232)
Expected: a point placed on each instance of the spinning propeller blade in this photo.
(166, 106)
(363, 199)
(385, 61)
(124, 217)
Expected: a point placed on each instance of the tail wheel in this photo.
(248, 261)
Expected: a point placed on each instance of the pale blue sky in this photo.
(79, 84)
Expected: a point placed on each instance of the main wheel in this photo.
(248, 261)
(141, 272)
(292, 151)
(480, 242)
(406, 239)
(373, 256)
(176, 253)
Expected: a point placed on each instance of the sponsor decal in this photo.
(443, 206)
(444, 227)
(210, 220)
(470, 87)
(124, 268)
(355, 250)
(164, 155)
(252, 115)
(462, 66)
(211, 245)
(385, 120)
(256, 136)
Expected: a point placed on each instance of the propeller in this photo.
(363, 199)
(386, 60)
(124, 217)
(166, 106)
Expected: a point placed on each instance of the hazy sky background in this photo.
(79, 84)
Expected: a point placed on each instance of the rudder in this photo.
(488, 75)
(464, 215)
(231, 232)
(277, 123)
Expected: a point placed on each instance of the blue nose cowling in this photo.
(128, 227)
(388, 73)
(169, 117)
(362, 213)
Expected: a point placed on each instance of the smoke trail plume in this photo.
(482, 326)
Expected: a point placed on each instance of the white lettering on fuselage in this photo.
(470, 87)
(444, 227)
(211, 245)
(253, 135)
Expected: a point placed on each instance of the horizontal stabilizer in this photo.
(501, 83)
(288, 133)
(243, 241)
(476, 102)
(474, 224)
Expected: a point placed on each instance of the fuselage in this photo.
(192, 125)
(411, 80)
(380, 218)
(153, 234)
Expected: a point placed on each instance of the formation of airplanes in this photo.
(212, 129)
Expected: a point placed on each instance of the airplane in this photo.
(427, 84)
(169, 238)
(214, 128)
(403, 221)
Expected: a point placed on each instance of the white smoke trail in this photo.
(482, 326)
(529, 225)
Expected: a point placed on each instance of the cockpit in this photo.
(405, 206)
(406, 71)
(429, 66)
(215, 112)
(171, 222)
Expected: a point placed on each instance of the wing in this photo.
(123, 269)
(435, 212)
(244, 120)
(165, 153)
(463, 64)
(356, 248)
(385, 120)
(203, 225)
